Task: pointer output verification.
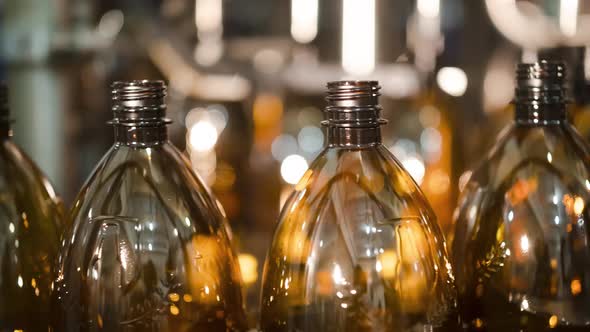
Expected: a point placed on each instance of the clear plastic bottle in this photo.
(31, 220)
(357, 247)
(148, 249)
(521, 249)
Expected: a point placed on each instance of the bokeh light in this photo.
(293, 168)
(452, 80)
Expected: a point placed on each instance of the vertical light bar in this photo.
(304, 20)
(568, 16)
(358, 36)
(209, 16)
(428, 8)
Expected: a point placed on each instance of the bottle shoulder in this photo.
(559, 147)
(17, 166)
(24, 186)
(371, 174)
(157, 174)
(523, 161)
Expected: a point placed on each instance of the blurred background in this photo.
(246, 85)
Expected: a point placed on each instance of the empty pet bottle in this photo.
(521, 251)
(148, 249)
(357, 247)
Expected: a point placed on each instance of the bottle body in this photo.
(520, 251)
(148, 250)
(357, 249)
(31, 219)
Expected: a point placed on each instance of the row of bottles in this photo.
(357, 247)
(146, 246)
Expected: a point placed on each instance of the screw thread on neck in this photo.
(139, 103)
(353, 115)
(139, 112)
(540, 94)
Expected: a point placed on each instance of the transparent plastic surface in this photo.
(30, 224)
(521, 249)
(357, 249)
(148, 250)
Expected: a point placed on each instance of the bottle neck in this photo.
(353, 114)
(139, 113)
(353, 137)
(140, 136)
(540, 94)
(540, 115)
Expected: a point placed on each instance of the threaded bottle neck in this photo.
(353, 115)
(540, 94)
(139, 112)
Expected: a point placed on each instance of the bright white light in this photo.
(304, 20)
(510, 215)
(203, 136)
(415, 167)
(209, 16)
(311, 139)
(568, 16)
(208, 52)
(473, 212)
(556, 220)
(549, 157)
(337, 275)
(111, 24)
(19, 281)
(452, 80)
(524, 244)
(293, 168)
(358, 36)
(524, 305)
(215, 113)
(11, 227)
(428, 8)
